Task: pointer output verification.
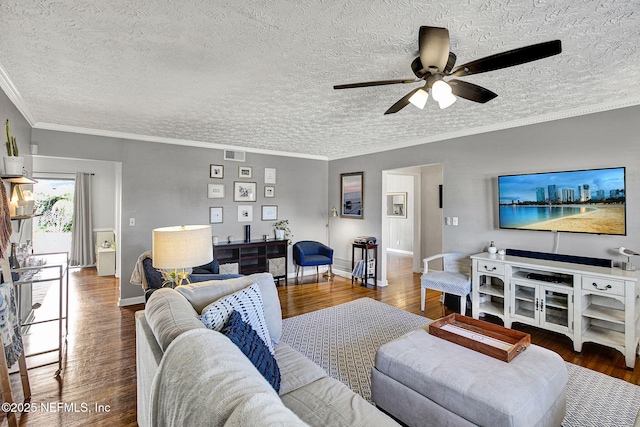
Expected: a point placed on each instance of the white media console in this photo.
(585, 303)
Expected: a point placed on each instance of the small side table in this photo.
(106, 261)
(364, 248)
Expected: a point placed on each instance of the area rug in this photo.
(343, 340)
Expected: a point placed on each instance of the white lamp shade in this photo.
(419, 99)
(182, 246)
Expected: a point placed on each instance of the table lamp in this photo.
(180, 247)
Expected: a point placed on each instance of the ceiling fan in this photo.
(436, 62)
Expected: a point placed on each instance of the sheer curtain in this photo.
(82, 231)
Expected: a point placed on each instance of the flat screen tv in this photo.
(580, 201)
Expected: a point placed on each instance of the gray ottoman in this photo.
(423, 380)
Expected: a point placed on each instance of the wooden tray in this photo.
(484, 337)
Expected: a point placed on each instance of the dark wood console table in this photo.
(257, 256)
(365, 247)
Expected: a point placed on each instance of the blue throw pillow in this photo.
(154, 277)
(248, 340)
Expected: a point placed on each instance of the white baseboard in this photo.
(400, 251)
(347, 275)
(131, 301)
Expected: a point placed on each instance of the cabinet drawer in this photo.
(490, 267)
(613, 287)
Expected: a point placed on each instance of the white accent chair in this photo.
(455, 279)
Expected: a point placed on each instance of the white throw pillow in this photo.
(247, 302)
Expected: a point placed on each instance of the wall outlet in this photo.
(455, 220)
(132, 222)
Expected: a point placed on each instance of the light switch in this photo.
(447, 220)
(455, 220)
(132, 222)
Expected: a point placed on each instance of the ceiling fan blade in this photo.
(375, 83)
(470, 91)
(433, 43)
(508, 59)
(450, 63)
(401, 103)
(418, 69)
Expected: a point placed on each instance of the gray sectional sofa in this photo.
(190, 375)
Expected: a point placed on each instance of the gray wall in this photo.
(470, 169)
(21, 130)
(164, 185)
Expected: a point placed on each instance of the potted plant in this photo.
(13, 163)
(282, 230)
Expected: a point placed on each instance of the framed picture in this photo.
(352, 195)
(244, 191)
(215, 191)
(245, 213)
(215, 215)
(397, 205)
(269, 175)
(269, 212)
(269, 191)
(216, 171)
(244, 172)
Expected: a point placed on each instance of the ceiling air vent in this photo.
(236, 156)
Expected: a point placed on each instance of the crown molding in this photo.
(174, 141)
(597, 108)
(581, 111)
(14, 96)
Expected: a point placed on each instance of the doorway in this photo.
(54, 205)
(420, 233)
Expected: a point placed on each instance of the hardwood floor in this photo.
(100, 365)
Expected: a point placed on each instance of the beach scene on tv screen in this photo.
(588, 201)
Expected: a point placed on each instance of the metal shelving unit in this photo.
(48, 267)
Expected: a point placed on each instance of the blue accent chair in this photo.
(307, 253)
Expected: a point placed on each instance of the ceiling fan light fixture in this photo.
(419, 99)
(446, 101)
(440, 89)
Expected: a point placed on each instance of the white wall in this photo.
(401, 229)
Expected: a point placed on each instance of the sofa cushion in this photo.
(328, 402)
(169, 314)
(204, 293)
(295, 370)
(250, 343)
(247, 302)
(204, 378)
(260, 409)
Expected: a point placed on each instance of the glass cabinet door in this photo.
(556, 313)
(525, 302)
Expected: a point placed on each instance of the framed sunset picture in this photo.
(352, 195)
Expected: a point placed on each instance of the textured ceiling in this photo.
(259, 74)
